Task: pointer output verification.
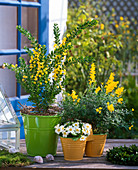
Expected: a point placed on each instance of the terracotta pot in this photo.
(73, 150)
(95, 146)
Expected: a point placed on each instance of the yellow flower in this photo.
(120, 100)
(111, 84)
(73, 95)
(102, 26)
(121, 18)
(100, 108)
(68, 35)
(48, 79)
(129, 128)
(97, 110)
(46, 82)
(78, 100)
(96, 16)
(116, 25)
(34, 82)
(69, 43)
(97, 90)
(58, 87)
(110, 107)
(92, 74)
(55, 46)
(23, 80)
(64, 53)
(13, 66)
(40, 83)
(132, 109)
(68, 94)
(119, 91)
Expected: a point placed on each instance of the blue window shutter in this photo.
(43, 38)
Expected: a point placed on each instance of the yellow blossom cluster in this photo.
(92, 74)
(24, 77)
(57, 71)
(74, 96)
(99, 110)
(110, 107)
(119, 91)
(37, 65)
(111, 84)
(130, 127)
(120, 100)
(97, 89)
(102, 26)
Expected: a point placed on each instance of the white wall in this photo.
(57, 14)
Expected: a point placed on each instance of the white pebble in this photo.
(49, 157)
(38, 159)
(12, 150)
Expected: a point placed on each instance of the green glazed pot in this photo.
(40, 135)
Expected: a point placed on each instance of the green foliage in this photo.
(99, 44)
(43, 77)
(13, 159)
(112, 46)
(123, 155)
(102, 106)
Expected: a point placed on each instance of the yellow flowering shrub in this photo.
(101, 106)
(44, 77)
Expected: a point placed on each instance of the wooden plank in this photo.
(87, 163)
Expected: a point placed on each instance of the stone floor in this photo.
(87, 162)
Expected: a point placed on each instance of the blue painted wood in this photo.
(44, 23)
(13, 51)
(23, 100)
(23, 3)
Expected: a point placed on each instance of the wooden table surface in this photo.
(87, 162)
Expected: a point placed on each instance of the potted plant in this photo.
(43, 78)
(73, 136)
(101, 106)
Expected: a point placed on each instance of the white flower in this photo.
(82, 138)
(56, 126)
(87, 125)
(62, 127)
(76, 124)
(84, 130)
(58, 130)
(87, 132)
(77, 130)
(65, 134)
(70, 129)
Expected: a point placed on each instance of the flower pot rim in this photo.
(49, 116)
(100, 134)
